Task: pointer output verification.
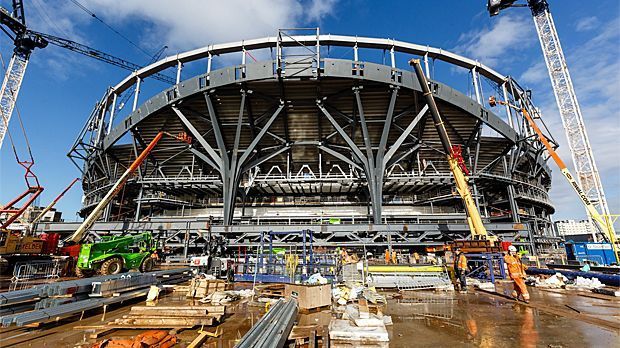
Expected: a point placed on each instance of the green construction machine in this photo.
(113, 254)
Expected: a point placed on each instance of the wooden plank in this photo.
(198, 341)
(216, 309)
(102, 332)
(312, 341)
(168, 322)
(164, 316)
(127, 327)
(325, 338)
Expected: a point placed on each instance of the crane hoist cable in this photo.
(92, 14)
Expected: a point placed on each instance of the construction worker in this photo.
(516, 271)
(460, 269)
(387, 256)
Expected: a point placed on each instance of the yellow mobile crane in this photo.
(604, 225)
(478, 231)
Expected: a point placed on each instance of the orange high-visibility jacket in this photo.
(461, 261)
(516, 269)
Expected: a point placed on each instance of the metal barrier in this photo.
(487, 266)
(28, 273)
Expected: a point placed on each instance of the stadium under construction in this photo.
(312, 132)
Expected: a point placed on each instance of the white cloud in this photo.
(507, 34)
(196, 23)
(535, 74)
(320, 8)
(587, 23)
(154, 23)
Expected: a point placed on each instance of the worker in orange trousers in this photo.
(460, 268)
(516, 271)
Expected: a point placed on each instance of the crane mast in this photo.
(25, 41)
(10, 89)
(570, 112)
(588, 176)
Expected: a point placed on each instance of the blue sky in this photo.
(61, 87)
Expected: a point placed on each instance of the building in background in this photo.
(578, 231)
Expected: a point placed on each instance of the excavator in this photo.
(455, 160)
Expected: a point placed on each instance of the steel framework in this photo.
(570, 112)
(10, 89)
(304, 139)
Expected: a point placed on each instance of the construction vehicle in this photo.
(455, 160)
(603, 224)
(19, 245)
(114, 254)
(587, 183)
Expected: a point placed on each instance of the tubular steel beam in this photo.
(405, 134)
(340, 156)
(379, 162)
(201, 140)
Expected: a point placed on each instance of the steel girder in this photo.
(179, 233)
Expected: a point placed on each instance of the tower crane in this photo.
(588, 176)
(25, 40)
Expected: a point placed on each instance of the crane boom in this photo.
(25, 41)
(478, 231)
(605, 228)
(96, 213)
(52, 204)
(99, 55)
(588, 176)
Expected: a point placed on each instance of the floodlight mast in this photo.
(581, 151)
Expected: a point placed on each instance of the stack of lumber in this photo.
(171, 316)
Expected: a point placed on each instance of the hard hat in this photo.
(512, 248)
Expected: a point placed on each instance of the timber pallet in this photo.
(311, 336)
(314, 310)
(271, 290)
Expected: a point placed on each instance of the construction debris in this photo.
(151, 339)
(201, 287)
(222, 297)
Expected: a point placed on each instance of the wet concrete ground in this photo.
(480, 320)
(422, 319)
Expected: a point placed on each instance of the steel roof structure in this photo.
(295, 140)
